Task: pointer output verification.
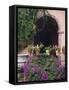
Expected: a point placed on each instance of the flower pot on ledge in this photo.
(37, 50)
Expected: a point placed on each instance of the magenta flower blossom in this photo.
(25, 69)
(35, 69)
(44, 76)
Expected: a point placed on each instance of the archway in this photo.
(47, 31)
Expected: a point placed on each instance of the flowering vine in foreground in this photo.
(44, 75)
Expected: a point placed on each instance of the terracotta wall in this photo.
(60, 17)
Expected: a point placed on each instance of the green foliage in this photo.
(26, 20)
(30, 48)
(33, 76)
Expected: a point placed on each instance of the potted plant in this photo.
(41, 45)
(47, 50)
(57, 51)
(37, 49)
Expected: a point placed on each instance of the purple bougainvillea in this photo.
(35, 69)
(44, 76)
(38, 69)
(25, 69)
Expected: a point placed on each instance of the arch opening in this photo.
(47, 31)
